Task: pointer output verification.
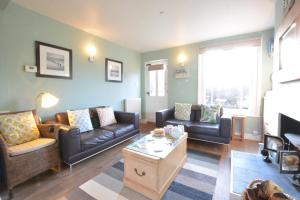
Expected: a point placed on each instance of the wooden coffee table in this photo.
(151, 164)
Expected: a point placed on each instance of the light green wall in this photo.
(20, 28)
(186, 90)
(278, 13)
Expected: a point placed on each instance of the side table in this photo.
(235, 119)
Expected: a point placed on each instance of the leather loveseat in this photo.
(217, 133)
(76, 146)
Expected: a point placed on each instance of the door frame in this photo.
(163, 61)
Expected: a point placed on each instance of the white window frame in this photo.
(254, 108)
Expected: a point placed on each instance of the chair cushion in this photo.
(210, 114)
(119, 129)
(176, 122)
(80, 119)
(19, 128)
(30, 146)
(203, 128)
(106, 116)
(183, 111)
(94, 138)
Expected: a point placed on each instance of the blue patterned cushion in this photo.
(80, 119)
(210, 114)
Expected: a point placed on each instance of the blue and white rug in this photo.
(196, 180)
(246, 167)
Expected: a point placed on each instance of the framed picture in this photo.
(113, 70)
(182, 72)
(273, 143)
(290, 162)
(53, 61)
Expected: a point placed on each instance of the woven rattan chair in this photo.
(20, 168)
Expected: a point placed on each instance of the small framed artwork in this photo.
(182, 72)
(273, 143)
(113, 70)
(53, 61)
(290, 162)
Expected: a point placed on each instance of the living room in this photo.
(149, 99)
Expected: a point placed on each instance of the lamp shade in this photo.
(48, 100)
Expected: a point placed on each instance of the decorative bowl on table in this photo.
(158, 132)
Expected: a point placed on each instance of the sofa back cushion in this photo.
(106, 116)
(196, 113)
(19, 128)
(94, 116)
(80, 119)
(62, 117)
(183, 111)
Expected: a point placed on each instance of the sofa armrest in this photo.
(49, 130)
(128, 118)
(69, 140)
(225, 126)
(163, 115)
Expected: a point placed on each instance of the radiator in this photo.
(133, 105)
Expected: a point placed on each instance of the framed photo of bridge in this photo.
(53, 61)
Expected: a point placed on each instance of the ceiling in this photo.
(146, 25)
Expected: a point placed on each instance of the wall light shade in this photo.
(182, 59)
(47, 100)
(91, 50)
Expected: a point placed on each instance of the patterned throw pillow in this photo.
(80, 119)
(183, 111)
(106, 116)
(18, 128)
(210, 114)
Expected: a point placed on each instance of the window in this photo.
(152, 77)
(161, 83)
(229, 77)
(157, 80)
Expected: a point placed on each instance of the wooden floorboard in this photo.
(51, 185)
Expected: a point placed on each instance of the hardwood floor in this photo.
(51, 185)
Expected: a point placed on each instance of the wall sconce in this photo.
(91, 50)
(181, 59)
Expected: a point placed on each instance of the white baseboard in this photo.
(256, 137)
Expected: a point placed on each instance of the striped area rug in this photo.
(196, 180)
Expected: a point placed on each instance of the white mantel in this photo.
(284, 99)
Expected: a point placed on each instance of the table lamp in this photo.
(47, 100)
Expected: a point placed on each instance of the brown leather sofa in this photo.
(216, 133)
(76, 146)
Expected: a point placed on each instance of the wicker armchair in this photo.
(20, 168)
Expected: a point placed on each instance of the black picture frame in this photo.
(57, 63)
(273, 153)
(294, 157)
(269, 138)
(108, 72)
